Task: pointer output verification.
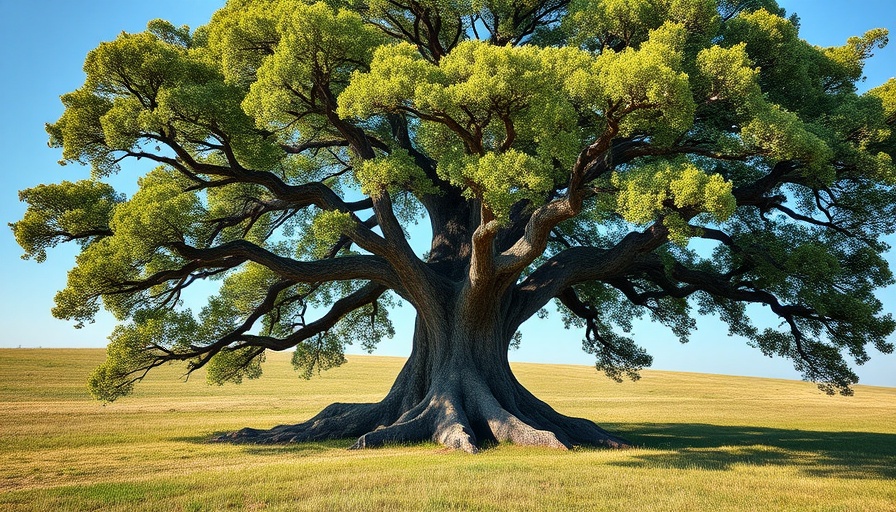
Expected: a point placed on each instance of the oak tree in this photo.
(620, 158)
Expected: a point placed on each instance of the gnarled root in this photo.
(336, 421)
(461, 417)
(438, 418)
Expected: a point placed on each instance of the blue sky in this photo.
(42, 48)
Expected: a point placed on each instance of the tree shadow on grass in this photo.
(717, 447)
(303, 448)
(860, 455)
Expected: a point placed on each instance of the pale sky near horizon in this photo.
(42, 48)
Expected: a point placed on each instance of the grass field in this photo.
(706, 443)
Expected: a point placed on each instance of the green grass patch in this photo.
(705, 442)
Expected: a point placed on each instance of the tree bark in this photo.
(456, 389)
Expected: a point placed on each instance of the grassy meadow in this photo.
(705, 443)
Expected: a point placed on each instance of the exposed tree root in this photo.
(460, 417)
(336, 421)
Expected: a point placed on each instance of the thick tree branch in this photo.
(291, 196)
(295, 149)
(200, 355)
(582, 264)
(238, 338)
(367, 294)
(182, 276)
(366, 267)
(393, 246)
(593, 161)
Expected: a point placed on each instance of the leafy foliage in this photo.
(66, 211)
(568, 150)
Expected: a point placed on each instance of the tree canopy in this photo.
(622, 158)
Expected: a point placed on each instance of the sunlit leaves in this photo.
(783, 136)
(651, 191)
(165, 31)
(133, 347)
(476, 81)
(482, 101)
(729, 74)
(485, 78)
(773, 44)
(241, 35)
(327, 228)
(887, 95)
(393, 173)
(395, 72)
(317, 47)
(64, 212)
(79, 131)
(502, 180)
(614, 24)
(149, 90)
(678, 119)
(475, 105)
(794, 74)
(158, 214)
(843, 65)
(646, 89)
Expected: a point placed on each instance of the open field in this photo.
(708, 442)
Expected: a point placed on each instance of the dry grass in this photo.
(707, 442)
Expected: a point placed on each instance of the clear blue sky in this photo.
(42, 48)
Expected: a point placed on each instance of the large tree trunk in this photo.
(456, 389)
